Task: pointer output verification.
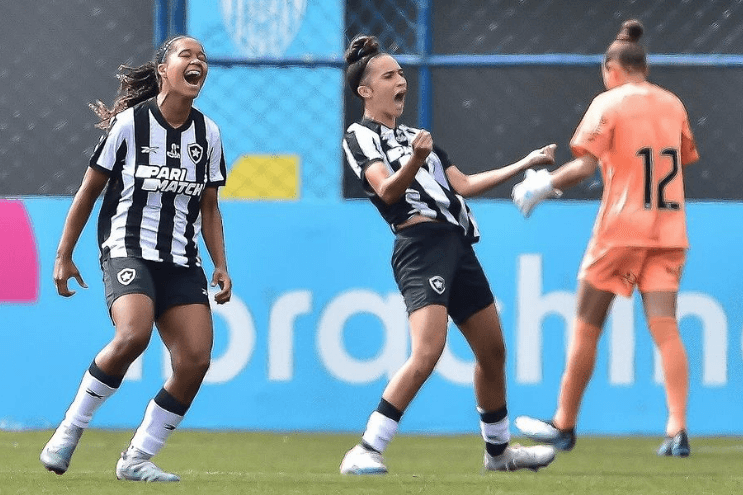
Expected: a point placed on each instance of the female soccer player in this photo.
(639, 135)
(419, 192)
(163, 162)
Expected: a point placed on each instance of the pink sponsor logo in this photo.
(19, 261)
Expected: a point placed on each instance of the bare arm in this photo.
(213, 233)
(391, 187)
(82, 205)
(573, 172)
(475, 184)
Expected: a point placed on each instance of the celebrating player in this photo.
(419, 192)
(163, 163)
(639, 136)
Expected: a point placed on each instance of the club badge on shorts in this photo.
(437, 284)
(126, 276)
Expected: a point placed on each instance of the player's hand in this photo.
(221, 278)
(542, 156)
(422, 145)
(65, 269)
(536, 186)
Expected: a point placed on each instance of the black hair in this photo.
(362, 49)
(136, 84)
(626, 50)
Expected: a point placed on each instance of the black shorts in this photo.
(434, 263)
(167, 284)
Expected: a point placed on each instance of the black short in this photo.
(433, 263)
(167, 284)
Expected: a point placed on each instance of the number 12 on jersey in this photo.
(661, 203)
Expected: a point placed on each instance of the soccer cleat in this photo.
(359, 460)
(56, 454)
(545, 432)
(517, 457)
(134, 465)
(676, 446)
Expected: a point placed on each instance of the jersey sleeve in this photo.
(361, 149)
(594, 133)
(443, 156)
(689, 153)
(217, 169)
(110, 149)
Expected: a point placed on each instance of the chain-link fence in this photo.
(58, 57)
(275, 90)
(507, 76)
(491, 79)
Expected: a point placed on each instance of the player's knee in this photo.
(497, 352)
(425, 359)
(129, 345)
(493, 359)
(193, 365)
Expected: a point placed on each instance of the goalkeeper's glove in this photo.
(536, 186)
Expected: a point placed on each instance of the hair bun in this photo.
(360, 47)
(631, 31)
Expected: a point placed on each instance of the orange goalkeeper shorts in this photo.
(620, 269)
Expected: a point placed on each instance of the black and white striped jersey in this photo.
(430, 194)
(157, 174)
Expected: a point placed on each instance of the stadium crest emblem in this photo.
(195, 151)
(261, 28)
(437, 284)
(126, 276)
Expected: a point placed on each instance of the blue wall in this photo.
(317, 327)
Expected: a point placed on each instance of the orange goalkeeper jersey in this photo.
(641, 136)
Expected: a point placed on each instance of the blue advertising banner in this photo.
(316, 326)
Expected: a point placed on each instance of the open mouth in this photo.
(400, 96)
(193, 76)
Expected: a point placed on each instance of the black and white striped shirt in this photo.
(157, 175)
(430, 194)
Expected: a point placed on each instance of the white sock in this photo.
(90, 396)
(155, 429)
(379, 431)
(497, 433)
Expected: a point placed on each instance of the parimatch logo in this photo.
(167, 179)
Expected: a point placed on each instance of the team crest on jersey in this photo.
(437, 284)
(126, 276)
(195, 151)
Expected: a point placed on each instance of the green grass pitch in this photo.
(232, 462)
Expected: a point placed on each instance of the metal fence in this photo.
(492, 79)
(57, 58)
(498, 78)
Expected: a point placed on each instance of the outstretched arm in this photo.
(540, 185)
(573, 172)
(213, 233)
(475, 184)
(82, 205)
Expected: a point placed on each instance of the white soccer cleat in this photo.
(359, 460)
(516, 457)
(58, 451)
(536, 187)
(134, 465)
